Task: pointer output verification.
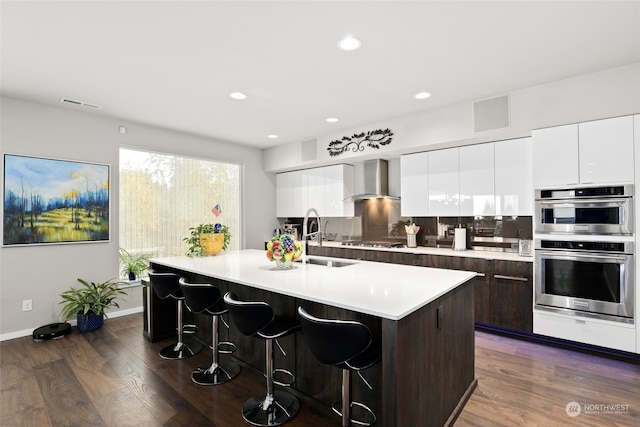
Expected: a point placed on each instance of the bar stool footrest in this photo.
(226, 347)
(286, 373)
(367, 412)
(189, 329)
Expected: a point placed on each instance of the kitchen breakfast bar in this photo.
(421, 317)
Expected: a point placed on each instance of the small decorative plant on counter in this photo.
(283, 249)
(207, 239)
(89, 302)
(132, 265)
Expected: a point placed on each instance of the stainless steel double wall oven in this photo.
(584, 252)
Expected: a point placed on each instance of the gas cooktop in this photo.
(372, 244)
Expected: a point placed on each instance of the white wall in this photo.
(42, 272)
(609, 93)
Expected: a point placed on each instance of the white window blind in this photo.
(162, 196)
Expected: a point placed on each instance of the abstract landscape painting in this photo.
(54, 201)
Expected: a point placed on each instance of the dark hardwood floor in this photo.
(114, 377)
(522, 383)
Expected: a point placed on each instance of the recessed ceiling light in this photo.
(422, 95)
(272, 136)
(238, 95)
(349, 43)
(332, 120)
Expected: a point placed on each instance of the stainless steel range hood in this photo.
(376, 181)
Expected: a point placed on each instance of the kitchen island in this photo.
(422, 318)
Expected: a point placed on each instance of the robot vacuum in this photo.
(52, 331)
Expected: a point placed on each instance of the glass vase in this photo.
(287, 265)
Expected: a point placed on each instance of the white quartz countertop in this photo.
(423, 250)
(390, 291)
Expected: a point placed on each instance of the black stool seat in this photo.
(347, 345)
(167, 285)
(205, 298)
(371, 356)
(256, 318)
(279, 327)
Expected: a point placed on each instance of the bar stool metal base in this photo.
(264, 410)
(217, 373)
(180, 350)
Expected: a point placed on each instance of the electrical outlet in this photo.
(27, 305)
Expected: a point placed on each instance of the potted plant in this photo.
(132, 265)
(207, 239)
(89, 302)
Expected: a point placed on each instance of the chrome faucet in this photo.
(306, 234)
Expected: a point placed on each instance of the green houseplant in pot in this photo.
(207, 239)
(132, 265)
(89, 301)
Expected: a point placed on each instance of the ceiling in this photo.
(173, 64)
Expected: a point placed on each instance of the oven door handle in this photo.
(618, 202)
(584, 256)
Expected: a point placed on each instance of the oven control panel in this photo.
(621, 247)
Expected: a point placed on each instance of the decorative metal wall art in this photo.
(373, 139)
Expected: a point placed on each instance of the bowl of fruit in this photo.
(283, 250)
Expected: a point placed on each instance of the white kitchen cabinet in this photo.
(600, 151)
(338, 186)
(606, 150)
(636, 136)
(555, 156)
(291, 194)
(476, 174)
(444, 183)
(602, 333)
(284, 193)
(491, 179)
(315, 190)
(322, 188)
(414, 184)
(513, 177)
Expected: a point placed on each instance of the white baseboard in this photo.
(29, 332)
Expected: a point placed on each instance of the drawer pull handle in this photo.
(481, 275)
(519, 279)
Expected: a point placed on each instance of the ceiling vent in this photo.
(81, 103)
(308, 152)
(491, 114)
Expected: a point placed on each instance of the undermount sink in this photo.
(329, 262)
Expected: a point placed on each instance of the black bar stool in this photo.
(257, 318)
(166, 285)
(205, 298)
(347, 345)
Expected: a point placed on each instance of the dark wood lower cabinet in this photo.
(421, 391)
(503, 289)
(503, 292)
(511, 295)
(481, 286)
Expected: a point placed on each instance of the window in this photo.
(162, 196)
